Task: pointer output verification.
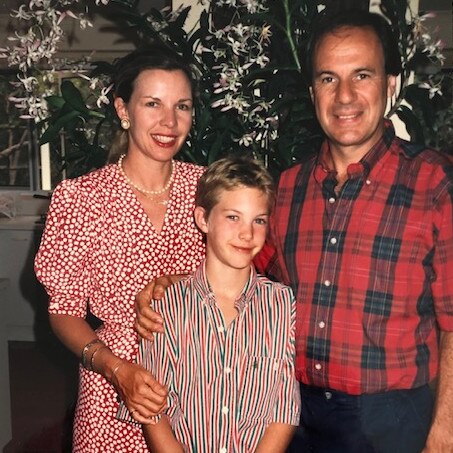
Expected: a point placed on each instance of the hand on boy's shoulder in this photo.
(148, 321)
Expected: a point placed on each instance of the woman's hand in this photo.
(148, 321)
(142, 394)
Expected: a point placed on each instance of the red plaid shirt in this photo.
(369, 267)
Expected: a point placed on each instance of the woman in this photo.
(110, 232)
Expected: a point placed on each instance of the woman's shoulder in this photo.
(89, 184)
(190, 170)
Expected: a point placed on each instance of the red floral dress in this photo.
(98, 250)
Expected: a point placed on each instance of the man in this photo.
(364, 235)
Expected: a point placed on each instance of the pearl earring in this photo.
(125, 124)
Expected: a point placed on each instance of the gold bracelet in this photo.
(103, 346)
(117, 366)
(85, 350)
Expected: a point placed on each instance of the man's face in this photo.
(350, 89)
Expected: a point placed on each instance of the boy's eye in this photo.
(151, 104)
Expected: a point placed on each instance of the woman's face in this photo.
(160, 113)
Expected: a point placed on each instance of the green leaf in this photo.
(73, 97)
(55, 101)
(52, 132)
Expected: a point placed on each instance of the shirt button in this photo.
(328, 395)
(322, 324)
(367, 182)
(220, 328)
(333, 241)
(331, 200)
(224, 410)
(318, 366)
(327, 282)
(223, 450)
(227, 370)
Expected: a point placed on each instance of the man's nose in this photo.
(345, 92)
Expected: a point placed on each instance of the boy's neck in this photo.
(227, 285)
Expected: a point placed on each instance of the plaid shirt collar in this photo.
(323, 168)
(206, 294)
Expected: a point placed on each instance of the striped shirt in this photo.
(226, 385)
(371, 268)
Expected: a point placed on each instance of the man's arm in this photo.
(160, 437)
(276, 438)
(440, 438)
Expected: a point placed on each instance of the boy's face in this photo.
(236, 227)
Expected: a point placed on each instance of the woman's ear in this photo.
(200, 219)
(121, 108)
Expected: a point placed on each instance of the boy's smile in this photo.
(236, 228)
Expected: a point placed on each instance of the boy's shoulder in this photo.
(272, 285)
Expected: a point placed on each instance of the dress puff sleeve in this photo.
(62, 263)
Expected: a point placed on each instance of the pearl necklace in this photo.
(147, 193)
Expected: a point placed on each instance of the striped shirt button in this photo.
(318, 366)
(327, 282)
(227, 370)
(331, 200)
(223, 450)
(225, 410)
(220, 328)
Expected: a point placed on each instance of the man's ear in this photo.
(200, 219)
(310, 89)
(391, 85)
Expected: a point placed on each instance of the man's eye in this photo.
(327, 80)
(151, 104)
(232, 217)
(362, 76)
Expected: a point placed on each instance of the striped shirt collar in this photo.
(366, 164)
(201, 285)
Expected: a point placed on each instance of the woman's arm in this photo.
(148, 321)
(160, 437)
(143, 395)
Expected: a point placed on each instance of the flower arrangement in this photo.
(247, 56)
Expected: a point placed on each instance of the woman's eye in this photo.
(232, 217)
(151, 104)
(184, 107)
(261, 221)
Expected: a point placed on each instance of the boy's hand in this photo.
(148, 321)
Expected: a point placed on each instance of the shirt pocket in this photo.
(261, 381)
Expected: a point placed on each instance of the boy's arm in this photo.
(276, 438)
(160, 437)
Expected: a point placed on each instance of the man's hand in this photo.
(148, 321)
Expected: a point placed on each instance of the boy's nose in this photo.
(246, 233)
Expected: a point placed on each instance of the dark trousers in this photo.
(392, 422)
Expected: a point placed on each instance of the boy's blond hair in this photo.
(231, 173)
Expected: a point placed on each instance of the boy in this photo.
(228, 348)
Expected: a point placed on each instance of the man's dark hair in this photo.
(329, 21)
